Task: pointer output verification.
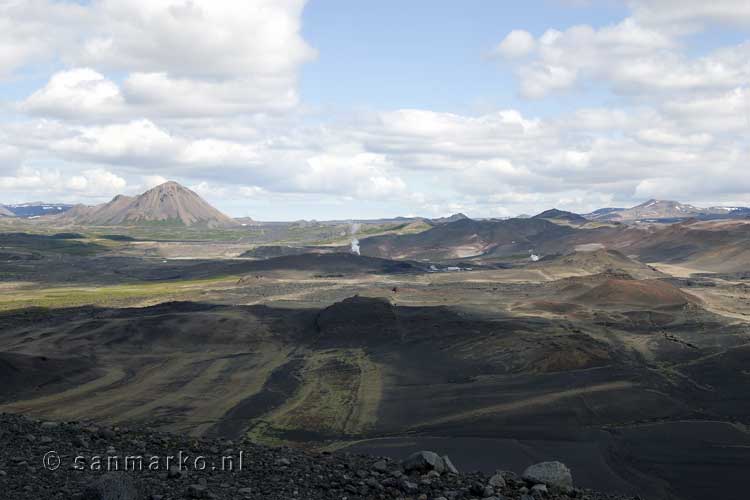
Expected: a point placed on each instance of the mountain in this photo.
(37, 208)
(603, 213)
(168, 203)
(5, 212)
(555, 215)
(466, 238)
(451, 218)
(666, 210)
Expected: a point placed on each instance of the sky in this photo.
(331, 109)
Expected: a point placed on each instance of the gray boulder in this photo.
(549, 473)
(112, 486)
(497, 481)
(424, 461)
(449, 467)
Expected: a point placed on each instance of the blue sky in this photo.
(338, 109)
(428, 54)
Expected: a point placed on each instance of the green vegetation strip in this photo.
(115, 295)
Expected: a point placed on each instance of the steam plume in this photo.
(355, 242)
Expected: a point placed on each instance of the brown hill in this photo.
(720, 246)
(600, 261)
(168, 203)
(649, 293)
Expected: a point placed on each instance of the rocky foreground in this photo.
(69, 460)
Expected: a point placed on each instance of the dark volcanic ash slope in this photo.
(331, 263)
(24, 375)
(528, 388)
(235, 470)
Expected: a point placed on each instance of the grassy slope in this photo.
(111, 296)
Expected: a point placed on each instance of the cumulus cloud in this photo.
(626, 53)
(691, 15)
(517, 43)
(362, 175)
(201, 38)
(205, 57)
(10, 157)
(37, 30)
(76, 94)
(95, 183)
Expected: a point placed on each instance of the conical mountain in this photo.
(168, 203)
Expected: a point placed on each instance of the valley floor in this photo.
(635, 376)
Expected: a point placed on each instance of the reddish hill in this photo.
(649, 293)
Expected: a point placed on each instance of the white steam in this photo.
(355, 242)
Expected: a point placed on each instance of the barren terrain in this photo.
(633, 374)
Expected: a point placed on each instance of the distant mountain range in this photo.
(665, 210)
(464, 238)
(172, 203)
(34, 209)
(721, 245)
(169, 203)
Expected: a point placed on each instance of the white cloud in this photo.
(10, 157)
(691, 15)
(203, 57)
(361, 175)
(669, 138)
(119, 143)
(160, 94)
(76, 94)
(96, 181)
(517, 43)
(36, 30)
(61, 184)
(632, 56)
(200, 38)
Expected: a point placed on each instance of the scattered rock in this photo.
(424, 461)
(541, 488)
(380, 466)
(112, 486)
(549, 473)
(268, 473)
(497, 481)
(449, 467)
(197, 491)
